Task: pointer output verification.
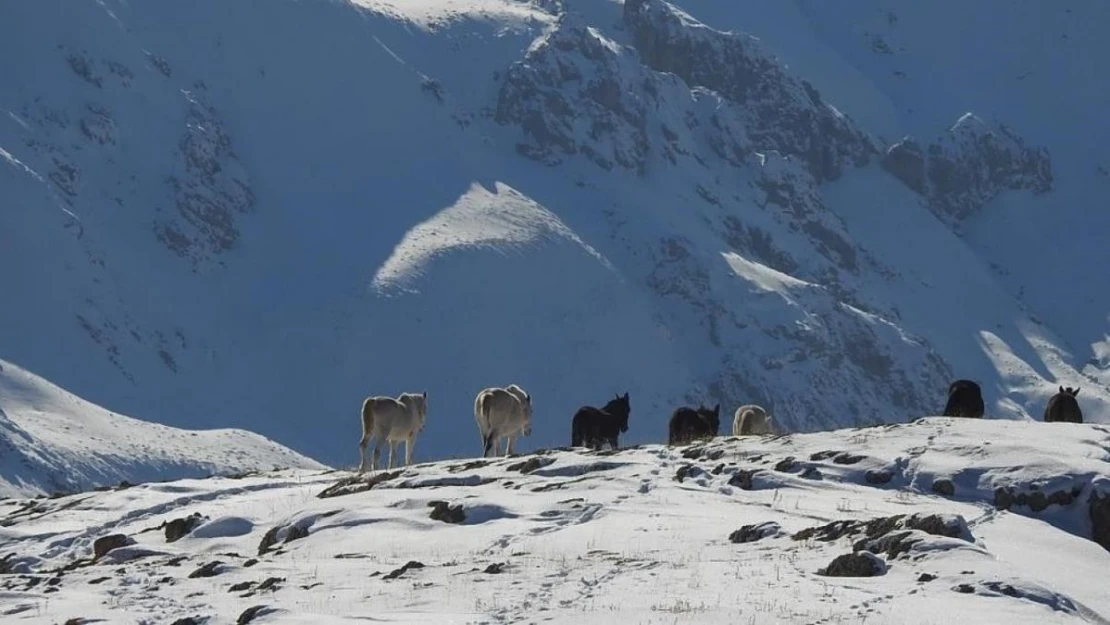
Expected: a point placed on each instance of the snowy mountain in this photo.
(54, 442)
(941, 520)
(256, 214)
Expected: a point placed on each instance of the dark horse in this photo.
(1063, 407)
(592, 427)
(965, 399)
(688, 424)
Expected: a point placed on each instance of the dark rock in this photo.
(473, 464)
(252, 613)
(786, 465)
(241, 586)
(966, 589)
(717, 470)
(953, 526)
(210, 569)
(862, 564)
(944, 488)
(270, 538)
(752, 533)
(251, 562)
(811, 473)
(178, 528)
(878, 477)
(270, 583)
(98, 580)
(742, 479)
(448, 513)
(847, 458)
(822, 455)
(969, 165)
(1098, 506)
(1035, 500)
(358, 484)
(926, 577)
(176, 561)
(105, 544)
(495, 568)
(688, 470)
(395, 573)
(191, 620)
(531, 464)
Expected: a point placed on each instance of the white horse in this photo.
(751, 420)
(502, 412)
(391, 421)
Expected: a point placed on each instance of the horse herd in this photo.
(506, 413)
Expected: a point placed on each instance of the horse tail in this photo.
(487, 442)
(367, 418)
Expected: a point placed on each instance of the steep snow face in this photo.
(957, 520)
(210, 220)
(52, 441)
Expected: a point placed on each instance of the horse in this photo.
(751, 420)
(965, 399)
(689, 424)
(391, 421)
(1063, 407)
(592, 427)
(502, 412)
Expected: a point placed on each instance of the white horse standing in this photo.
(751, 420)
(502, 412)
(391, 421)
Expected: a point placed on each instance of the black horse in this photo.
(688, 424)
(965, 399)
(593, 427)
(1063, 407)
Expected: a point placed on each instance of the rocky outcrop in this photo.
(779, 111)
(968, 166)
(210, 188)
(862, 564)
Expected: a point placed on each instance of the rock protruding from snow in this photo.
(968, 166)
(780, 111)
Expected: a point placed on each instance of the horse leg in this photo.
(392, 445)
(509, 445)
(362, 452)
(377, 454)
(409, 442)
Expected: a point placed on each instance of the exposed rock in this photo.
(944, 488)
(270, 583)
(191, 620)
(951, 525)
(811, 473)
(688, 470)
(358, 484)
(495, 568)
(210, 569)
(752, 533)
(742, 479)
(1098, 506)
(1035, 500)
(786, 465)
(531, 464)
(250, 562)
(847, 458)
(241, 586)
(448, 513)
(252, 613)
(395, 573)
(104, 544)
(780, 111)
(878, 477)
(926, 577)
(969, 166)
(178, 528)
(862, 564)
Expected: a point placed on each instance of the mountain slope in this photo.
(290, 206)
(976, 521)
(52, 442)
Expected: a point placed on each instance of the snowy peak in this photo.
(52, 441)
(968, 166)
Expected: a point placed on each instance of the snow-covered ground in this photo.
(52, 441)
(644, 535)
